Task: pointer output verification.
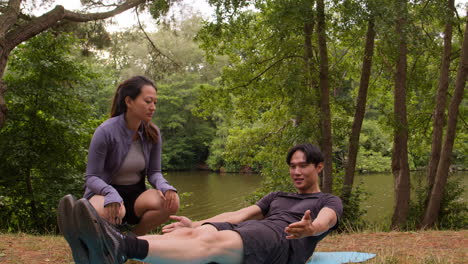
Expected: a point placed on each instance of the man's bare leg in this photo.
(108, 246)
(200, 245)
(184, 232)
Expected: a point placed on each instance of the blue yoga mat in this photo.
(339, 257)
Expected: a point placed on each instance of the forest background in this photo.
(379, 85)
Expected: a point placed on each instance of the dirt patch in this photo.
(23, 248)
(435, 247)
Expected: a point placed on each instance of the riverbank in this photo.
(434, 247)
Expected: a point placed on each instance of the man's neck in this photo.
(315, 189)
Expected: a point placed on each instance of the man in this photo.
(280, 228)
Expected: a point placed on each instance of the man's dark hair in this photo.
(312, 153)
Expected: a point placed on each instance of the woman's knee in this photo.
(148, 200)
(174, 209)
(97, 201)
(122, 211)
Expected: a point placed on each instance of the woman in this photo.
(125, 149)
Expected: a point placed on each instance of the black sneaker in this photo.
(69, 230)
(126, 229)
(106, 245)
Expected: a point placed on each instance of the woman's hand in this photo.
(182, 222)
(171, 201)
(111, 213)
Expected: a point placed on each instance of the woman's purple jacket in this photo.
(107, 151)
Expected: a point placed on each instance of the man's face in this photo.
(304, 175)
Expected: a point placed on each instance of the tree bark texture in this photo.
(400, 167)
(309, 53)
(309, 68)
(360, 110)
(3, 87)
(11, 34)
(30, 190)
(433, 207)
(441, 100)
(326, 145)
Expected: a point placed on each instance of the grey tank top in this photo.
(133, 165)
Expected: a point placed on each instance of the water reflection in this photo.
(379, 204)
(214, 193)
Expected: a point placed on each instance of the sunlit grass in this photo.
(425, 247)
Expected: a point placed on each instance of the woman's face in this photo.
(144, 105)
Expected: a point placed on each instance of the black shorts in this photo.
(129, 194)
(263, 243)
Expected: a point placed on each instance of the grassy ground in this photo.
(427, 247)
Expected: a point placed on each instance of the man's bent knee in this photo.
(225, 246)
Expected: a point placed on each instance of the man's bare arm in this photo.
(248, 213)
(252, 212)
(325, 220)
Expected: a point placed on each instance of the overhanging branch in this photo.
(158, 51)
(264, 71)
(79, 17)
(59, 13)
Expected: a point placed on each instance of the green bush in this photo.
(453, 213)
(352, 218)
(44, 140)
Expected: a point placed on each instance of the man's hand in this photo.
(182, 222)
(303, 228)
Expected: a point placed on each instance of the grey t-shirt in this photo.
(281, 209)
(132, 166)
(264, 241)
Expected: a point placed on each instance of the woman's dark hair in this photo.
(132, 88)
(312, 153)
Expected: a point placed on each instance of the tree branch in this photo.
(79, 17)
(264, 71)
(34, 27)
(100, 4)
(9, 16)
(160, 53)
(42, 23)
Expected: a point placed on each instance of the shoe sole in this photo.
(93, 233)
(66, 223)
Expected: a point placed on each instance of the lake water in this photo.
(213, 193)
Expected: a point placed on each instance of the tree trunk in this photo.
(325, 100)
(3, 107)
(308, 54)
(433, 207)
(32, 202)
(400, 167)
(309, 71)
(3, 87)
(360, 111)
(441, 102)
(8, 17)
(11, 34)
